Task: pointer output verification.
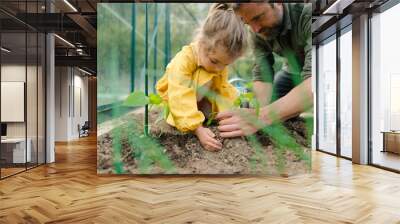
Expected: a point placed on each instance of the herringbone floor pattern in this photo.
(69, 191)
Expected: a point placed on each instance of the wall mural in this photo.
(176, 91)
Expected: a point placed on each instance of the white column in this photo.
(360, 90)
(50, 92)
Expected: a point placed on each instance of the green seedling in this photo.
(136, 99)
(211, 118)
(139, 99)
(248, 98)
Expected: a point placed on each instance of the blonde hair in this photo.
(223, 27)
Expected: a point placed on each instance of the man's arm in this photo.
(292, 104)
(244, 121)
(263, 73)
(263, 92)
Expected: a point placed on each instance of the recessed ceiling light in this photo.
(84, 71)
(70, 5)
(64, 40)
(5, 50)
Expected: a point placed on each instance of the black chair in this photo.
(84, 130)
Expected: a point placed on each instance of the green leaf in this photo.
(249, 96)
(237, 102)
(136, 99)
(211, 118)
(155, 99)
(249, 85)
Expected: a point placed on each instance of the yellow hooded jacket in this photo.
(179, 85)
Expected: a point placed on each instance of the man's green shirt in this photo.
(293, 43)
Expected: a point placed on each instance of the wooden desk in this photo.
(391, 141)
(13, 150)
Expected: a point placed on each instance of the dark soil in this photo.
(237, 156)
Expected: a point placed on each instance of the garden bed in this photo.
(238, 155)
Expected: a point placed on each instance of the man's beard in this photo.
(270, 33)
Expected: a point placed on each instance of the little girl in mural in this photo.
(195, 84)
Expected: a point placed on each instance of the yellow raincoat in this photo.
(178, 87)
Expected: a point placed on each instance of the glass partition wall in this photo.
(334, 71)
(335, 125)
(22, 98)
(385, 90)
(345, 109)
(327, 95)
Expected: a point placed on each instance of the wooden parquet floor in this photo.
(70, 191)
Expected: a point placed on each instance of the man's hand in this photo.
(244, 121)
(239, 123)
(207, 139)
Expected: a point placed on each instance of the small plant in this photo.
(139, 99)
(245, 99)
(211, 118)
(250, 99)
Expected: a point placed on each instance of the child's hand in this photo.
(207, 139)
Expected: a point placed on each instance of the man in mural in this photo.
(277, 29)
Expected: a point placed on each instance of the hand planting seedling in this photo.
(139, 99)
(248, 99)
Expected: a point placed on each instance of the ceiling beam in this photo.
(320, 23)
(82, 61)
(86, 27)
(337, 7)
(49, 22)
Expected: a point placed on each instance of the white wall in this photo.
(33, 127)
(13, 101)
(10, 73)
(16, 73)
(70, 83)
(82, 83)
(61, 103)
